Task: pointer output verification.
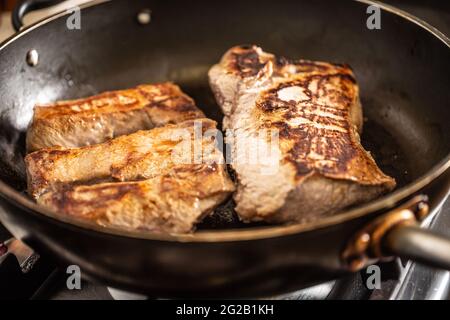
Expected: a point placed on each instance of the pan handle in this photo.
(414, 243)
(398, 233)
(25, 6)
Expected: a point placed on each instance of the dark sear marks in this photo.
(318, 166)
(65, 201)
(248, 63)
(172, 202)
(320, 129)
(167, 98)
(96, 119)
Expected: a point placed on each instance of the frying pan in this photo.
(402, 70)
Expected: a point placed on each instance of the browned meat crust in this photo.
(108, 115)
(171, 203)
(153, 180)
(139, 155)
(315, 108)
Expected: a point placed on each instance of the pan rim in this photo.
(229, 235)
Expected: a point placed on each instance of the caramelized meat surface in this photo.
(165, 179)
(315, 164)
(96, 119)
(170, 203)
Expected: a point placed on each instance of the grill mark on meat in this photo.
(301, 65)
(95, 103)
(182, 105)
(169, 102)
(173, 202)
(343, 96)
(96, 119)
(247, 63)
(322, 139)
(63, 197)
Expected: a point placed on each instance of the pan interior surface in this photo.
(402, 70)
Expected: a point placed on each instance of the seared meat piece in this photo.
(318, 165)
(140, 155)
(172, 177)
(99, 118)
(171, 203)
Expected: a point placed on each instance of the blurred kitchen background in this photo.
(436, 12)
(6, 7)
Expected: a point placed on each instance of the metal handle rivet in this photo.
(144, 16)
(32, 58)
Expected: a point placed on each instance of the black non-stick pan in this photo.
(403, 72)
